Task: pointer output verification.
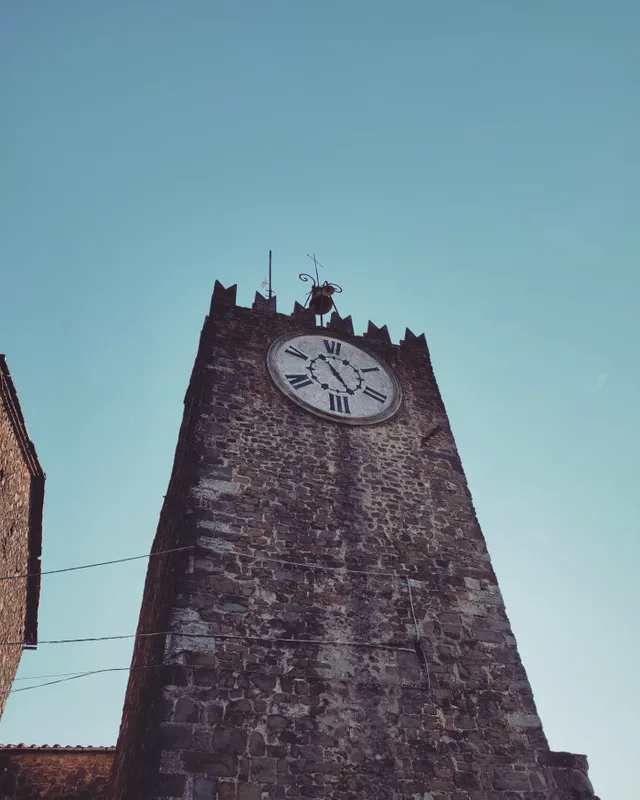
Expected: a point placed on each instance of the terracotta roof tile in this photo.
(44, 747)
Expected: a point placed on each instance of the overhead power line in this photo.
(76, 675)
(243, 556)
(72, 676)
(63, 677)
(54, 675)
(186, 635)
(97, 564)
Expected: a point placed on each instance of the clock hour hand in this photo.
(337, 375)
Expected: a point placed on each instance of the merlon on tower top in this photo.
(225, 298)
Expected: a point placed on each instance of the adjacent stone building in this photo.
(21, 499)
(54, 773)
(334, 628)
(30, 772)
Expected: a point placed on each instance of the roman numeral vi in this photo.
(332, 347)
(339, 403)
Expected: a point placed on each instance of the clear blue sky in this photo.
(467, 169)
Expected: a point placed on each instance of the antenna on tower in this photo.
(268, 283)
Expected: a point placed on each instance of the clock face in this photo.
(334, 379)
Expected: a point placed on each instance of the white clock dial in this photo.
(334, 379)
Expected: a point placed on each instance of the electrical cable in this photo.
(98, 564)
(50, 675)
(65, 677)
(186, 635)
(258, 557)
(413, 610)
(78, 641)
(72, 676)
(323, 566)
(75, 675)
(62, 680)
(418, 643)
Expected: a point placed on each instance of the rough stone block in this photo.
(204, 789)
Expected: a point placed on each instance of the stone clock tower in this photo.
(334, 628)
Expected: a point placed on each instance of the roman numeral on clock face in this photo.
(293, 351)
(375, 394)
(332, 347)
(371, 369)
(339, 403)
(298, 381)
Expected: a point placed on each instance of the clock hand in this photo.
(337, 375)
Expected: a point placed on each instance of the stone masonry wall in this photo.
(338, 631)
(54, 773)
(21, 486)
(136, 763)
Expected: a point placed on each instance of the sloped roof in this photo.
(75, 748)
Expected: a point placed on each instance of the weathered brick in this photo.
(51, 772)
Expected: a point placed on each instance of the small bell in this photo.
(321, 301)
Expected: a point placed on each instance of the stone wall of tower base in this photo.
(136, 770)
(571, 775)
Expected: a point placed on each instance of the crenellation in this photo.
(303, 315)
(223, 298)
(412, 341)
(343, 326)
(264, 304)
(377, 334)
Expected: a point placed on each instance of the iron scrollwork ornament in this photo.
(320, 298)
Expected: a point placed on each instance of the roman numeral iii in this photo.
(339, 403)
(298, 381)
(332, 347)
(375, 394)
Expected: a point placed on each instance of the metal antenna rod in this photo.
(270, 292)
(316, 264)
